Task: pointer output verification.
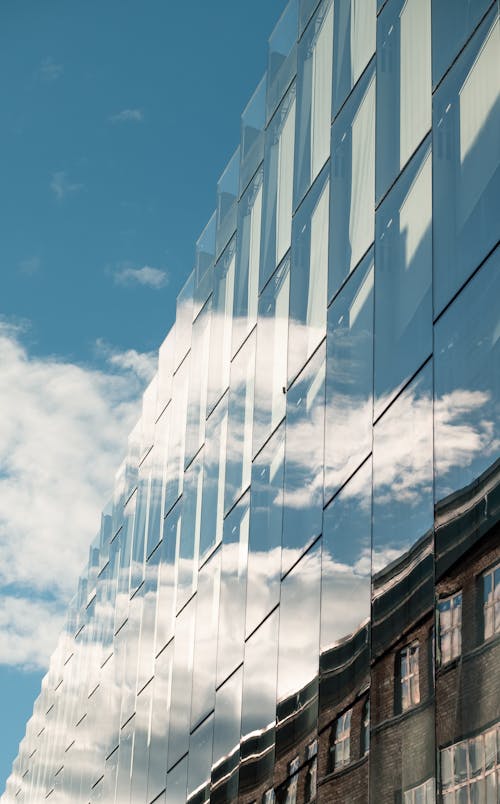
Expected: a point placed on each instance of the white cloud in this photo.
(127, 116)
(61, 186)
(143, 364)
(49, 70)
(147, 276)
(63, 430)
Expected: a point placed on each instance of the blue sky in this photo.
(118, 117)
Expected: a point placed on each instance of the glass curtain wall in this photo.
(294, 592)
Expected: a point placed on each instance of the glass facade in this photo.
(294, 594)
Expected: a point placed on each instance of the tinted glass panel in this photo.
(205, 645)
(466, 162)
(247, 261)
(220, 330)
(353, 45)
(240, 418)
(453, 21)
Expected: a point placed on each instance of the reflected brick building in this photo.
(294, 595)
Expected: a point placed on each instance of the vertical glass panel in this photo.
(205, 644)
(180, 701)
(403, 279)
(352, 221)
(167, 578)
(177, 783)
(233, 589)
(140, 759)
(452, 23)
(298, 660)
(165, 372)
(226, 750)
(187, 557)
(157, 490)
(309, 276)
(266, 522)
(253, 121)
(227, 197)
(278, 187)
(147, 645)
(258, 712)
(157, 772)
(204, 269)
(403, 590)
(345, 610)
(240, 417)
(282, 58)
(271, 358)
(140, 524)
(198, 383)
(402, 513)
(131, 657)
(467, 157)
(148, 416)
(349, 378)
(134, 446)
(123, 775)
(214, 473)
(314, 93)
(246, 284)
(302, 518)
(177, 436)
(183, 319)
(353, 45)
(403, 85)
(200, 761)
(220, 331)
(467, 394)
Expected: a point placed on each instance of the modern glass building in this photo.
(295, 591)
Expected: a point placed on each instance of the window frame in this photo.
(411, 654)
(455, 602)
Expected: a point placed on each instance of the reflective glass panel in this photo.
(403, 279)
(266, 521)
(314, 92)
(352, 221)
(227, 729)
(162, 681)
(309, 275)
(233, 589)
(220, 330)
(180, 701)
(258, 712)
(214, 473)
(298, 656)
(187, 558)
(204, 266)
(140, 757)
(167, 577)
(227, 196)
(278, 187)
(253, 121)
(466, 162)
(183, 319)
(177, 434)
(246, 283)
(198, 383)
(205, 644)
(177, 783)
(282, 58)
(467, 388)
(353, 45)
(200, 761)
(271, 358)
(240, 418)
(349, 378)
(403, 85)
(303, 503)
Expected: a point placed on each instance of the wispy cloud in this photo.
(62, 433)
(61, 186)
(142, 364)
(127, 116)
(49, 70)
(30, 266)
(147, 276)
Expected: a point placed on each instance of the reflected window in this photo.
(365, 728)
(340, 742)
(469, 769)
(421, 794)
(269, 797)
(450, 627)
(409, 676)
(491, 602)
(312, 772)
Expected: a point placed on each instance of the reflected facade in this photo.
(294, 594)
